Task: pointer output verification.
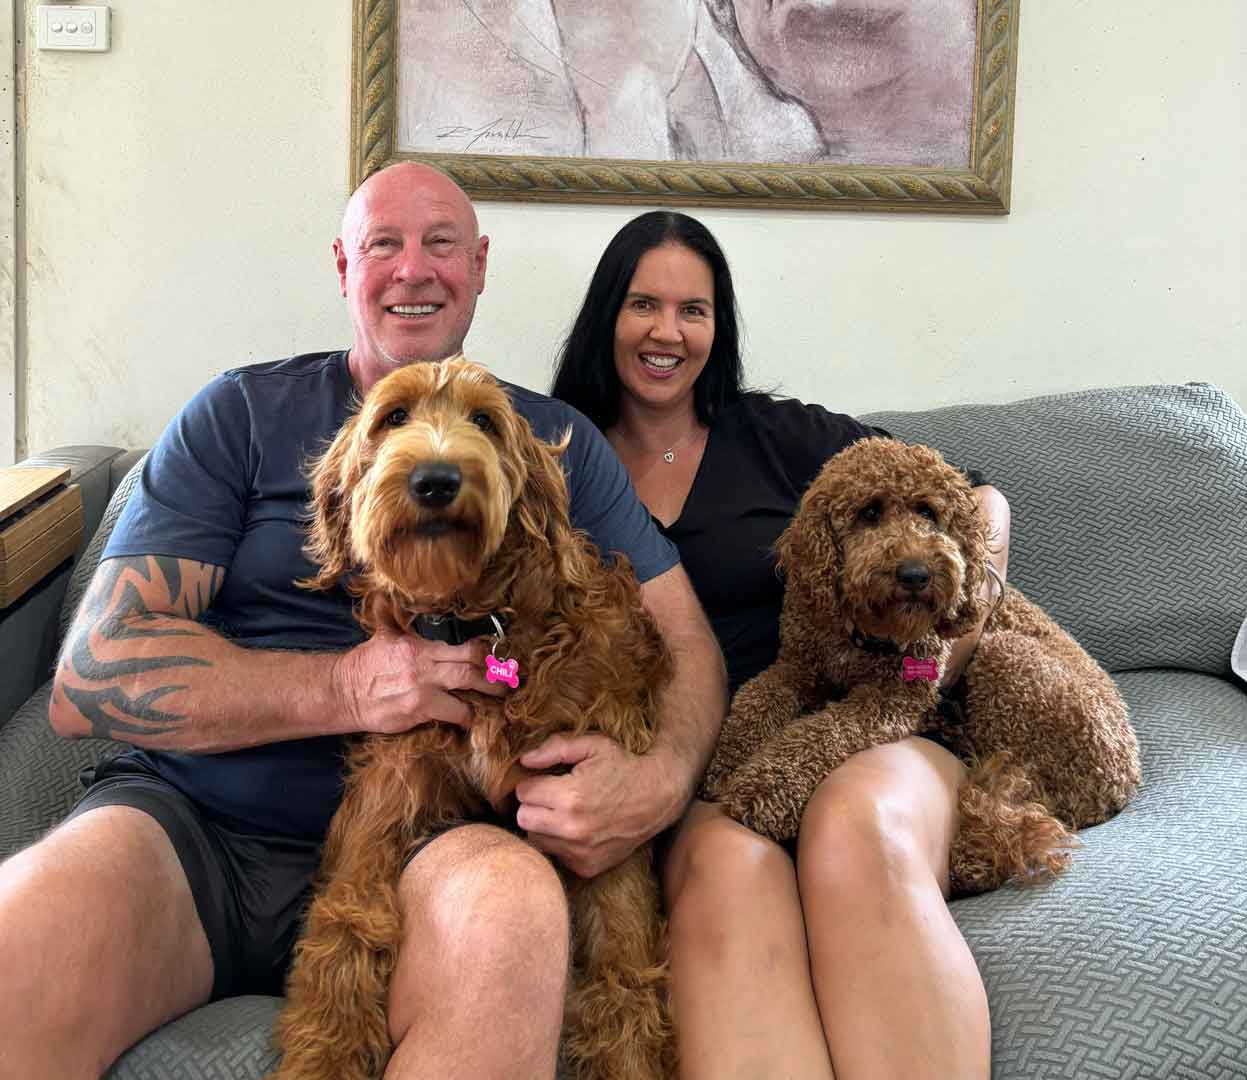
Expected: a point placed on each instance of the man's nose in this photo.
(412, 264)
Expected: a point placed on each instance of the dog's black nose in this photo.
(913, 575)
(435, 483)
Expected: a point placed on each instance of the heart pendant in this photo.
(669, 456)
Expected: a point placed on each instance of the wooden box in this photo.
(40, 526)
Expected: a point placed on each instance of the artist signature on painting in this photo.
(499, 130)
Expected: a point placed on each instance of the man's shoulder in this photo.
(548, 416)
(304, 366)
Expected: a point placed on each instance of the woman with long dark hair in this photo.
(840, 953)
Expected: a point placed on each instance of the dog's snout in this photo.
(435, 483)
(913, 575)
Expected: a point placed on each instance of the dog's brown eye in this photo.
(397, 418)
(870, 513)
(923, 510)
(483, 421)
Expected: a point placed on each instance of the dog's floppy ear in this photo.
(810, 551)
(967, 527)
(541, 508)
(334, 476)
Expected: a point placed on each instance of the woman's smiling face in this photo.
(665, 328)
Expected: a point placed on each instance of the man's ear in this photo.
(480, 260)
(340, 261)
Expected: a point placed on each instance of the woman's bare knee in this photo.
(712, 854)
(885, 819)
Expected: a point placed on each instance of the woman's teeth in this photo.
(660, 363)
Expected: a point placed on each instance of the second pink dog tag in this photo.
(506, 671)
(912, 669)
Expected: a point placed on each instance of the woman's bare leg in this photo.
(742, 1000)
(897, 986)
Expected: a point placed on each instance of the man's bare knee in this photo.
(486, 926)
(478, 871)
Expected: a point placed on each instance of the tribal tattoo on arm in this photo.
(132, 644)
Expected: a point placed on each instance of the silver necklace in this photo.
(668, 455)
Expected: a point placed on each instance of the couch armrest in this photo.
(28, 629)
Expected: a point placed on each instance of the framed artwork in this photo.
(823, 104)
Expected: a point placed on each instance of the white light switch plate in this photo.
(77, 28)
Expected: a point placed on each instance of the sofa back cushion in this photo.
(1129, 512)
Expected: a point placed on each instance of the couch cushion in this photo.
(86, 565)
(227, 1040)
(1131, 963)
(1129, 512)
(39, 772)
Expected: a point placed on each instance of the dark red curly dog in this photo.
(437, 499)
(885, 559)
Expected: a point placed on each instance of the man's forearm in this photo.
(156, 679)
(690, 715)
(694, 703)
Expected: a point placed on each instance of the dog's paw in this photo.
(713, 782)
(758, 803)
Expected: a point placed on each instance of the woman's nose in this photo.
(665, 326)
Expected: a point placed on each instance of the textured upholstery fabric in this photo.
(227, 1040)
(1129, 513)
(39, 769)
(1134, 963)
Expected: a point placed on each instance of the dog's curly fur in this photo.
(1044, 729)
(590, 659)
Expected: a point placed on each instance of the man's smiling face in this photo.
(411, 265)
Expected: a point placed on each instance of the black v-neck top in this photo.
(760, 456)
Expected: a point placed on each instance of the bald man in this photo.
(181, 875)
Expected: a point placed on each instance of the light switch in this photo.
(77, 28)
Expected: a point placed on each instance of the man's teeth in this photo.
(412, 309)
(662, 363)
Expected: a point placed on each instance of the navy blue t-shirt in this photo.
(226, 484)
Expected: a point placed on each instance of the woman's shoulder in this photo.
(790, 420)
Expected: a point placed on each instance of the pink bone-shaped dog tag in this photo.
(912, 669)
(507, 671)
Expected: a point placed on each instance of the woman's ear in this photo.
(334, 476)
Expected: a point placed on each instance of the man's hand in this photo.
(596, 815)
(394, 682)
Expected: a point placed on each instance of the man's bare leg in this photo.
(481, 978)
(100, 944)
(742, 999)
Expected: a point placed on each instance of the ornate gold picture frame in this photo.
(390, 74)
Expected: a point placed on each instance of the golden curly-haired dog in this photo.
(434, 499)
(885, 559)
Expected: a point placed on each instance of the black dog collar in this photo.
(880, 646)
(454, 630)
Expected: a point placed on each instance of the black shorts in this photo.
(250, 891)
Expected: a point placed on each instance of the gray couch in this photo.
(1130, 527)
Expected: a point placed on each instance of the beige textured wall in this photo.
(8, 233)
(183, 189)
